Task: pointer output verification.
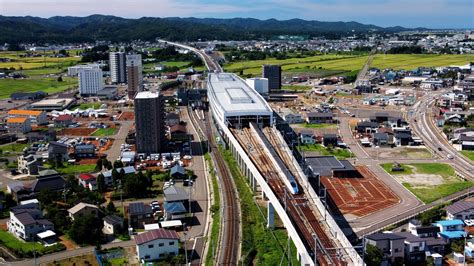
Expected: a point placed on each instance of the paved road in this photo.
(425, 128)
(114, 152)
(407, 200)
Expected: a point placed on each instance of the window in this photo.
(150, 246)
(172, 243)
(147, 257)
(161, 244)
(397, 250)
(172, 253)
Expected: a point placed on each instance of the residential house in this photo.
(83, 209)
(330, 139)
(156, 244)
(26, 221)
(112, 224)
(36, 136)
(380, 139)
(319, 118)
(28, 164)
(307, 137)
(85, 150)
(178, 172)
(28, 95)
(139, 214)
(35, 117)
(63, 120)
(176, 200)
(46, 179)
(391, 245)
(108, 174)
(366, 127)
(178, 133)
(291, 117)
(415, 248)
(58, 152)
(463, 210)
(402, 139)
(172, 119)
(19, 125)
(88, 181)
(467, 142)
(451, 229)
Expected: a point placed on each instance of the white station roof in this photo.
(234, 97)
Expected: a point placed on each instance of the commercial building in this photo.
(18, 125)
(273, 74)
(52, 104)
(134, 74)
(235, 103)
(74, 70)
(90, 81)
(108, 93)
(35, 117)
(258, 84)
(118, 70)
(149, 122)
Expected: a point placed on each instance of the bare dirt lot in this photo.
(419, 152)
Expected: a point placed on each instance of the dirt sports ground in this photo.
(359, 196)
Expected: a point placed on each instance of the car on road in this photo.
(450, 156)
(440, 149)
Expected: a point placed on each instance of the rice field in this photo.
(346, 63)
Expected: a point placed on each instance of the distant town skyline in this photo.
(437, 14)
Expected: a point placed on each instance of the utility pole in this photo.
(315, 237)
(185, 240)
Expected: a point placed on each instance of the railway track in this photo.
(300, 213)
(227, 253)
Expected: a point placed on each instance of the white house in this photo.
(26, 221)
(291, 117)
(463, 210)
(307, 137)
(156, 244)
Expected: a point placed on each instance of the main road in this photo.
(421, 118)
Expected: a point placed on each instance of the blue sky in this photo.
(408, 13)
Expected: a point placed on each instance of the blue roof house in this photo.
(451, 229)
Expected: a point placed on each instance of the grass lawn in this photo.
(105, 131)
(48, 85)
(84, 106)
(216, 214)
(323, 125)
(430, 173)
(260, 246)
(340, 154)
(13, 243)
(468, 154)
(13, 148)
(76, 169)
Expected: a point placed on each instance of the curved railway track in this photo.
(227, 253)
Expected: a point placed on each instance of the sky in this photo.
(408, 13)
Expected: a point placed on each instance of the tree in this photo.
(60, 79)
(98, 165)
(86, 229)
(111, 207)
(115, 175)
(373, 255)
(118, 164)
(100, 183)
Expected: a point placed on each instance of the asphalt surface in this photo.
(114, 152)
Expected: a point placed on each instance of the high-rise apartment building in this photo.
(134, 74)
(273, 74)
(90, 81)
(118, 69)
(149, 122)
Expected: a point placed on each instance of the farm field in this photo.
(412, 61)
(342, 63)
(36, 70)
(338, 64)
(428, 181)
(182, 65)
(48, 85)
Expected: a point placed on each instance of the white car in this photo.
(450, 156)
